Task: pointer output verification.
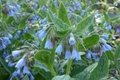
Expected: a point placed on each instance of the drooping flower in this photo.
(76, 54)
(89, 55)
(13, 9)
(11, 64)
(59, 49)
(102, 40)
(72, 40)
(67, 54)
(20, 63)
(6, 41)
(26, 70)
(16, 53)
(108, 27)
(105, 36)
(94, 55)
(106, 47)
(2, 45)
(48, 44)
(41, 34)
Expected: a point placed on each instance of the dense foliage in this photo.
(59, 39)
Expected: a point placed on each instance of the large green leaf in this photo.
(89, 41)
(85, 75)
(62, 14)
(101, 70)
(84, 24)
(47, 58)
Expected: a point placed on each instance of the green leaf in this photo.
(63, 77)
(85, 75)
(101, 70)
(62, 14)
(59, 24)
(40, 65)
(22, 23)
(91, 41)
(88, 42)
(110, 55)
(84, 24)
(47, 58)
(117, 52)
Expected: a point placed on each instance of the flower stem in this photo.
(68, 66)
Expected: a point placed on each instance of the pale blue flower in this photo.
(78, 57)
(94, 56)
(105, 36)
(16, 53)
(6, 41)
(89, 55)
(26, 70)
(11, 64)
(21, 63)
(41, 34)
(103, 40)
(13, 9)
(76, 54)
(49, 44)
(59, 49)
(44, 8)
(67, 54)
(106, 47)
(108, 27)
(72, 39)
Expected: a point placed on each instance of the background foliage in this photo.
(59, 39)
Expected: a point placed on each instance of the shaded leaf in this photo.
(85, 75)
(101, 70)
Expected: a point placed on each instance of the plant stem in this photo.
(69, 66)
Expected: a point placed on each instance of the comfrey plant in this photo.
(58, 40)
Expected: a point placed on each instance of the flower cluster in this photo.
(22, 66)
(13, 9)
(4, 42)
(70, 53)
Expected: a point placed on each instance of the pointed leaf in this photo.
(62, 14)
(85, 75)
(101, 70)
(84, 24)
